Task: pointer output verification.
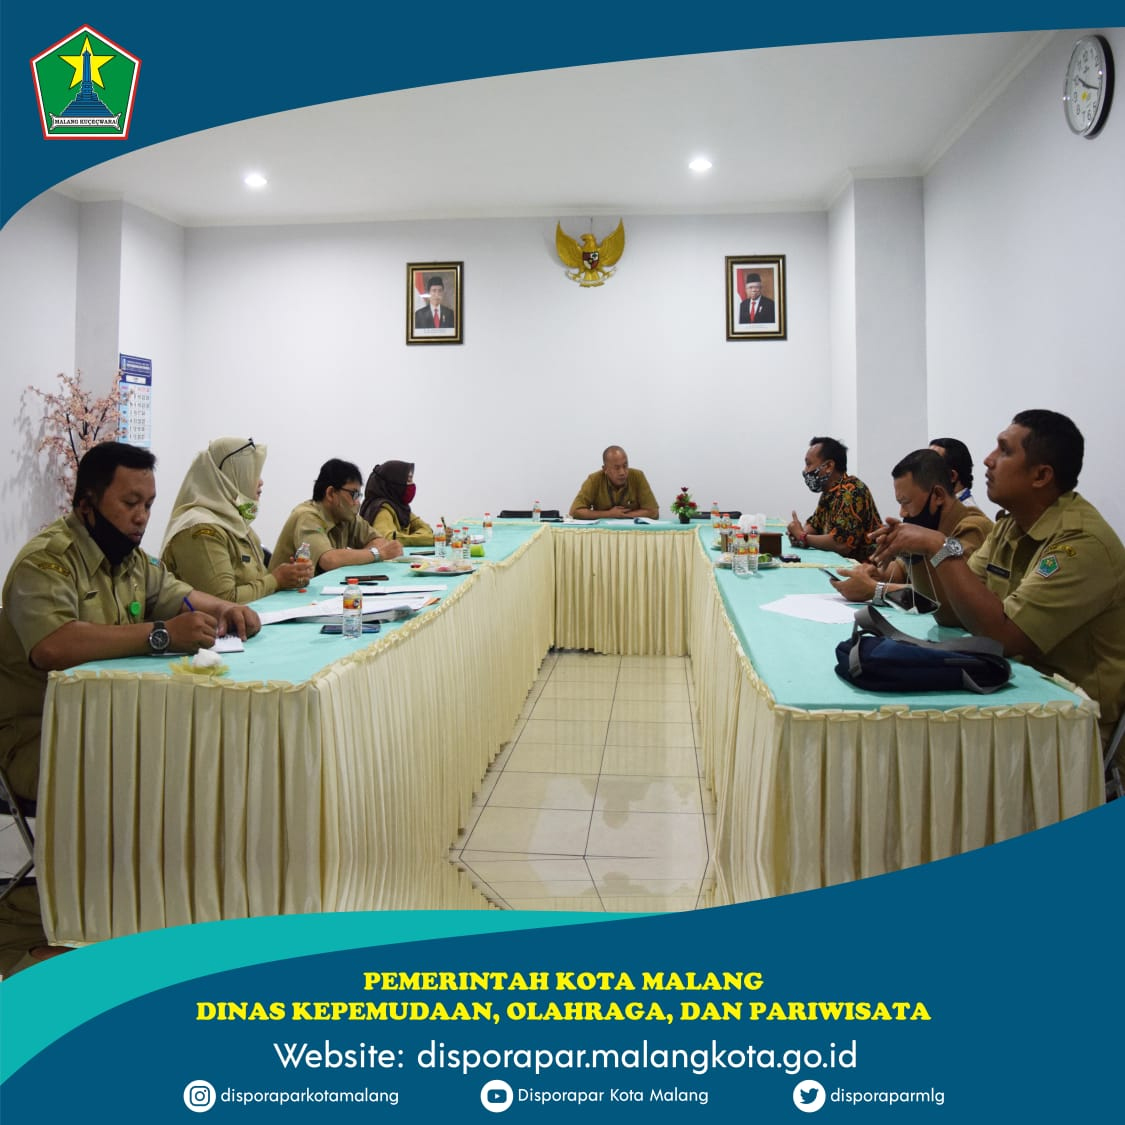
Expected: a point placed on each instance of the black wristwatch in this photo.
(159, 639)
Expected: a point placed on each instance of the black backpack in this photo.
(881, 658)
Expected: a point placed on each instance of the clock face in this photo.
(1089, 85)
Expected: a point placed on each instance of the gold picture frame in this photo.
(435, 289)
(757, 278)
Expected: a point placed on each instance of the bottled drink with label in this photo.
(716, 518)
(752, 550)
(740, 556)
(303, 553)
(352, 624)
(466, 545)
(487, 527)
(536, 511)
(439, 541)
(455, 545)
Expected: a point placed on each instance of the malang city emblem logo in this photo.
(85, 85)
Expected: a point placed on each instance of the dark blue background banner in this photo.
(976, 989)
(208, 64)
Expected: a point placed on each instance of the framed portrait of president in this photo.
(434, 302)
(756, 305)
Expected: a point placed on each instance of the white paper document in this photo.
(831, 609)
(377, 609)
(383, 589)
(232, 642)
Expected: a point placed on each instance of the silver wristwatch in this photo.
(950, 549)
(375, 553)
(159, 639)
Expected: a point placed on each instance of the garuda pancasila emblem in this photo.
(591, 262)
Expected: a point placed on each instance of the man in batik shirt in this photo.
(846, 512)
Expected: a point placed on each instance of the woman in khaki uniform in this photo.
(386, 505)
(209, 542)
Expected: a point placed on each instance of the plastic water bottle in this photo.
(740, 556)
(753, 546)
(439, 541)
(455, 545)
(716, 519)
(302, 553)
(466, 545)
(352, 623)
(487, 527)
(536, 511)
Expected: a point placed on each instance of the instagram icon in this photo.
(199, 1095)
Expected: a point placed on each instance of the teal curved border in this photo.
(43, 1003)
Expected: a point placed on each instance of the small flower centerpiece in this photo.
(684, 506)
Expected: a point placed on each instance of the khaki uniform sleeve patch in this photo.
(205, 529)
(1048, 565)
(50, 564)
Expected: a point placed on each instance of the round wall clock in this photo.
(1088, 89)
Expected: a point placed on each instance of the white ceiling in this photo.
(785, 127)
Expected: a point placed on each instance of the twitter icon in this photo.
(809, 1096)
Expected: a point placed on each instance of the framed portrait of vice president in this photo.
(756, 304)
(434, 304)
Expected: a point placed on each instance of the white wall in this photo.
(1025, 244)
(38, 287)
(299, 334)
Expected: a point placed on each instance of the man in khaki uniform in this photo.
(82, 590)
(616, 492)
(331, 525)
(925, 493)
(1049, 581)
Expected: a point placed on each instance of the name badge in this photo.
(999, 571)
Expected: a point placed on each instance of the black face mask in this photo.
(925, 518)
(114, 544)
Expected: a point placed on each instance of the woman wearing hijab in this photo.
(386, 505)
(209, 542)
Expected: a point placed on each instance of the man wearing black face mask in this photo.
(82, 590)
(846, 512)
(924, 491)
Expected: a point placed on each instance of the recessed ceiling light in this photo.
(700, 164)
(254, 180)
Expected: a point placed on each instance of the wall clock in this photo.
(1088, 88)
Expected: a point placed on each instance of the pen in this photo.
(190, 607)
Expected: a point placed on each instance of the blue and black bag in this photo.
(880, 657)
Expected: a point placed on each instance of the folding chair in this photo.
(20, 811)
(1114, 784)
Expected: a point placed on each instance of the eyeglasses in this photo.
(352, 492)
(249, 445)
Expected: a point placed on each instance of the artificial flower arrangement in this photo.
(684, 506)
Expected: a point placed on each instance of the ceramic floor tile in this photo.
(657, 905)
(559, 888)
(548, 757)
(484, 791)
(545, 790)
(587, 659)
(564, 732)
(648, 834)
(648, 888)
(551, 831)
(652, 711)
(571, 709)
(474, 856)
(639, 793)
(651, 690)
(651, 734)
(526, 870)
(640, 675)
(679, 663)
(578, 673)
(584, 905)
(621, 871)
(578, 689)
(651, 761)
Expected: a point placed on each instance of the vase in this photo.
(684, 519)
